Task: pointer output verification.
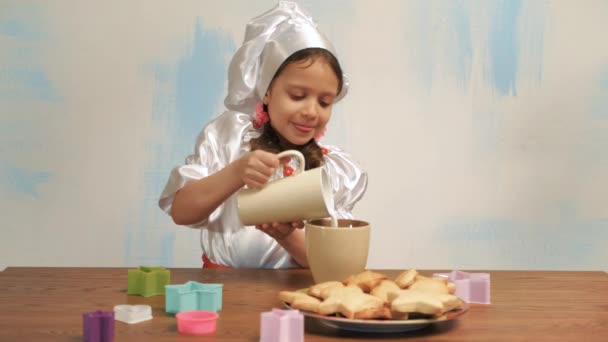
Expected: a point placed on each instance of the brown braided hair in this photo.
(271, 140)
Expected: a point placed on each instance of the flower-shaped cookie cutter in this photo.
(282, 326)
(132, 314)
(148, 281)
(193, 295)
(98, 326)
(470, 287)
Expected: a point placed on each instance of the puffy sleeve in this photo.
(348, 179)
(219, 143)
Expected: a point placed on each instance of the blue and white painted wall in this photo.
(483, 125)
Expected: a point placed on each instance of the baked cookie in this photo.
(351, 302)
(366, 280)
(317, 289)
(406, 278)
(299, 300)
(451, 287)
(381, 291)
(409, 301)
(412, 301)
(430, 285)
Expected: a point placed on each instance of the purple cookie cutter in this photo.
(98, 326)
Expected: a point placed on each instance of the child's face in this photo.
(300, 100)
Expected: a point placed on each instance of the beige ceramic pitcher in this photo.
(306, 195)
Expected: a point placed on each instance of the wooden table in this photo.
(45, 304)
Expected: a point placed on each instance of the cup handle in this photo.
(297, 154)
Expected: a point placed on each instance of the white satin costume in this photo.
(269, 39)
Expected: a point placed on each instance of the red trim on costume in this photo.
(209, 264)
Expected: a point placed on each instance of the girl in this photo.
(282, 85)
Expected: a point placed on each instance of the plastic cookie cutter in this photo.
(196, 322)
(193, 295)
(148, 281)
(132, 314)
(470, 287)
(282, 326)
(98, 326)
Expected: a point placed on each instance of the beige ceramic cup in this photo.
(306, 195)
(334, 253)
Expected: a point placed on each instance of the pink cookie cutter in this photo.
(282, 326)
(196, 322)
(470, 287)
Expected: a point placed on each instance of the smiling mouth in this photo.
(302, 128)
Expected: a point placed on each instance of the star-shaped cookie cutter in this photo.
(148, 281)
(193, 295)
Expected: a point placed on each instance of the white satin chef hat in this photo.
(270, 39)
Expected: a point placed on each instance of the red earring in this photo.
(261, 117)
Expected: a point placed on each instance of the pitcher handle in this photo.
(297, 154)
